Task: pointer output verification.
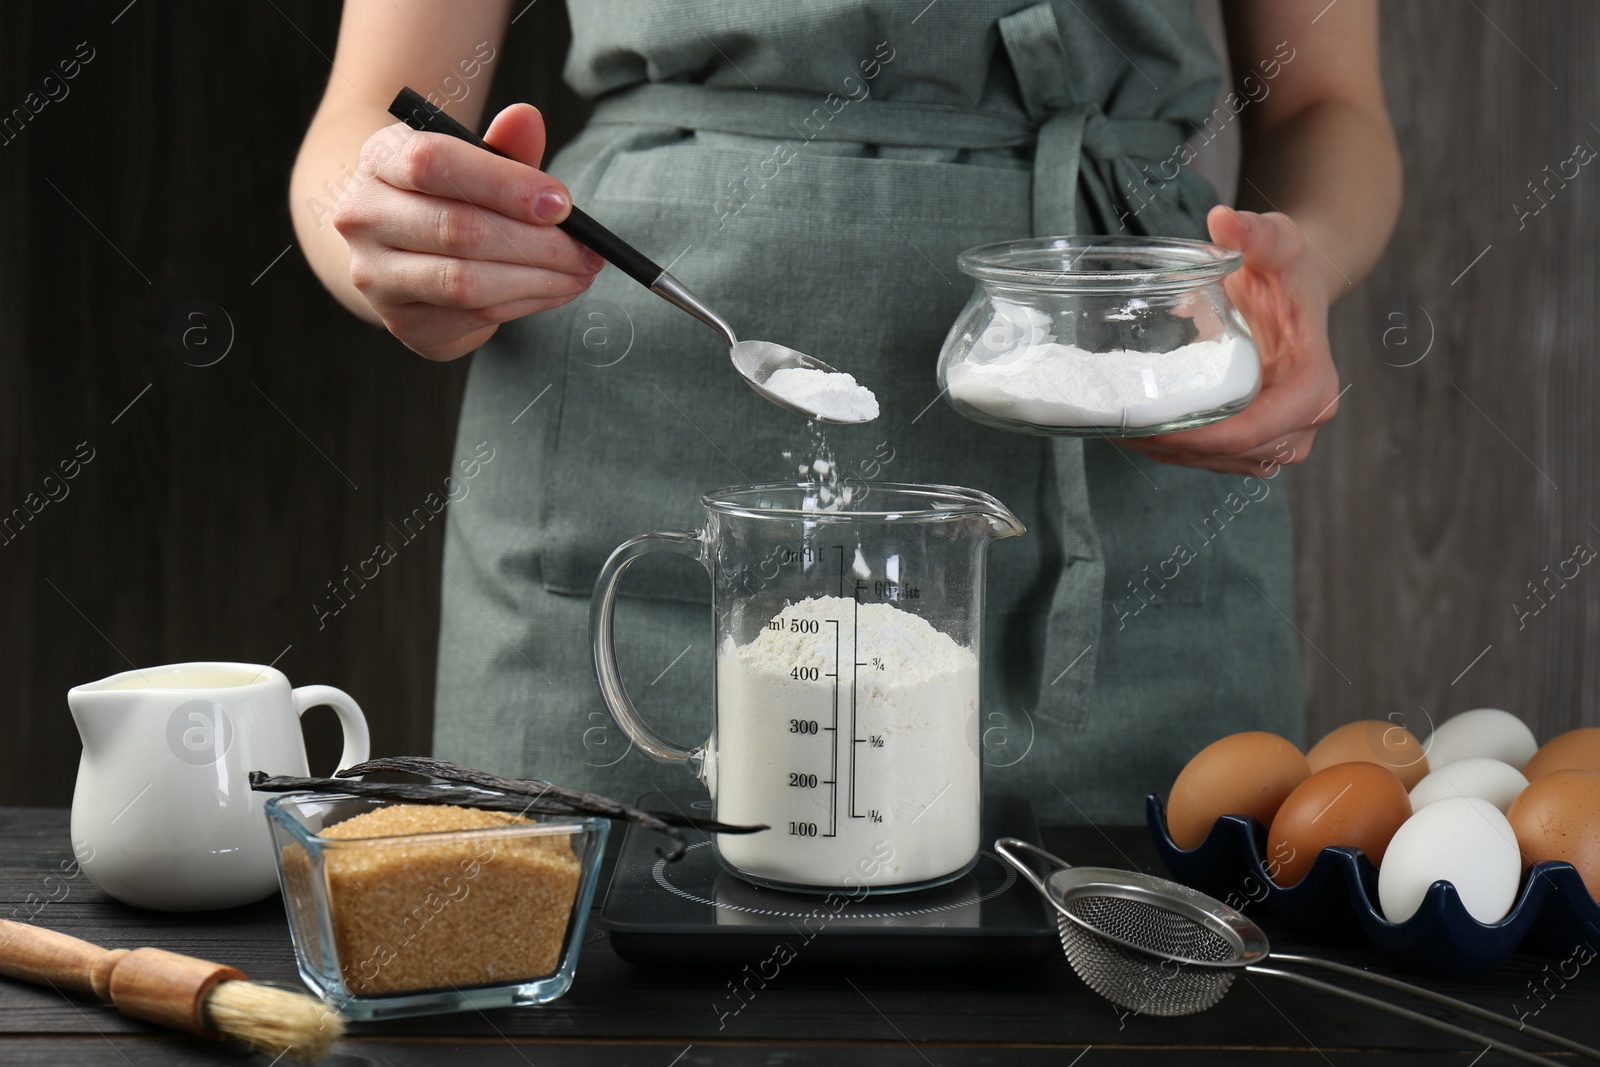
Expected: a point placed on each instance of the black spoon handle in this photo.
(416, 111)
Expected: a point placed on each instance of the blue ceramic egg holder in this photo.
(1554, 913)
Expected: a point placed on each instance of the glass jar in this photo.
(424, 923)
(1099, 337)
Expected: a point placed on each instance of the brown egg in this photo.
(1242, 774)
(1351, 805)
(1558, 818)
(1372, 741)
(1574, 750)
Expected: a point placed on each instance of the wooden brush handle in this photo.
(146, 983)
(45, 957)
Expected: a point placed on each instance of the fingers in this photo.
(1296, 394)
(440, 225)
(1243, 449)
(440, 165)
(1268, 241)
(518, 131)
(447, 240)
(1227, 229)
(1263, 462)
(1276, 429)
(398, 277)
(436, 339)
(444, 333)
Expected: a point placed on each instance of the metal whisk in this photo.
(1156, 947)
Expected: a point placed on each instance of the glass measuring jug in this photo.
(848, 646)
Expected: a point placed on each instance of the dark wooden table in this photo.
(616, 1014)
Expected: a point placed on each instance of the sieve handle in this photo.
(1405, 1013)
(1440, 998)
(1005, 844)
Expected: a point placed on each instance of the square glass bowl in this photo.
(421, 924)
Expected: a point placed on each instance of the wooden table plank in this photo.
(128, 1051)
(616, 1013)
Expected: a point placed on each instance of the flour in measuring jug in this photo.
(837, 779)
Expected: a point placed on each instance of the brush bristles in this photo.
(273, 1019)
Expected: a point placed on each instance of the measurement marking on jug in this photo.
(855, 672)
(833, 742)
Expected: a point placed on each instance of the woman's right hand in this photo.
(447, 241)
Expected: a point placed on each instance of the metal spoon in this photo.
(756, 361)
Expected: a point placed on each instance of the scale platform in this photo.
(695, 913)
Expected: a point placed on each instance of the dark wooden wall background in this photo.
(219, 504)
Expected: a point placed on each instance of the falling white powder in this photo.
(827, 489)
(846, 727)
(1053, 384)
(831, 394)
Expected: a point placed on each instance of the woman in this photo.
(785, 160)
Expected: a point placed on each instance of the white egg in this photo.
(1462, 840)
(1486, 733)
(1489, 779)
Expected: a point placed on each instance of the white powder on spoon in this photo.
(830, 394)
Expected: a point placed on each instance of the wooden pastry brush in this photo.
(163, 987)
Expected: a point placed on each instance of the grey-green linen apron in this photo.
(812, 170)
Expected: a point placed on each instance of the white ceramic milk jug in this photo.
(163, 816)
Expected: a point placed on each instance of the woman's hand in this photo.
(447, 241)
(1282, 292)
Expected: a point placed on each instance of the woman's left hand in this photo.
(1282, 292)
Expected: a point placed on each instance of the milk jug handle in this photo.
(357, 741)
(602, 638)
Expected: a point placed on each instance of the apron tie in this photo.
(1032, 41)
(1079, 150)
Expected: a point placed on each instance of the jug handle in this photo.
(357, 741)
(602, 639)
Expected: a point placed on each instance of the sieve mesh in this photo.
(1153, 927)
(1142, 983)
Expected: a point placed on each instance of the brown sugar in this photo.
(458, 911)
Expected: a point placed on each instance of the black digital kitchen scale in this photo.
(695, 912)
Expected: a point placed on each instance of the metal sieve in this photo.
(1155, 947)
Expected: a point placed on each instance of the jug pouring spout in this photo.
(1002, 523)
(1006, 525)
(996, 520)
(100, 713)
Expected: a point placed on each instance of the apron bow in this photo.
(1080, 149)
